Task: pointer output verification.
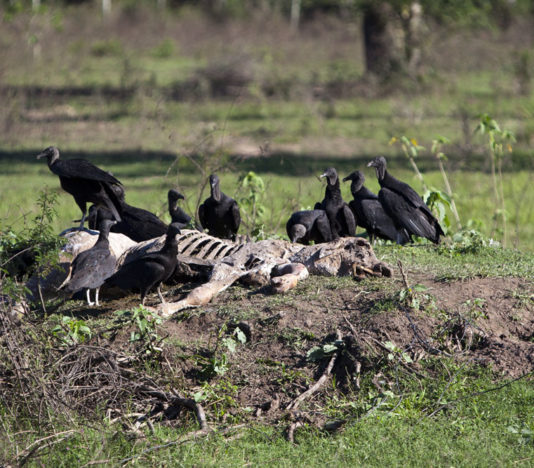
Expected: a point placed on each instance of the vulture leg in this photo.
(96, 297)
(88, 294)
(83, 206)
(82, 221)
(161, 296)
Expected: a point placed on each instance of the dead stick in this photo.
(291, 431)
(403, 274)
(297, 401)
(352, 329)
(193, 406)
(36, 446)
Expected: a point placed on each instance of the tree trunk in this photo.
(392, 40)
(384, 39)
(414, 37)
(295, 14)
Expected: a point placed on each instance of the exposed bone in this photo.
(287, 263)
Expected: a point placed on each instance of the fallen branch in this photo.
(317, 385)
(193, 406)
(291, 431)
(41, 443)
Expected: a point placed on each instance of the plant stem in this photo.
(449, 191)
(493, 180)
(415, 168)
(503, 212)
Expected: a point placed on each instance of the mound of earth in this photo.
(483, 321)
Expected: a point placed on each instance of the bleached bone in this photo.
(230, 261)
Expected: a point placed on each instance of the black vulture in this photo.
(309, 225)
(85, 182)
(178, 215)
(219, 213)
(136, 223)
(405, 207)
(370, 214)
(91, 267)
(342, 222)
(149, 271)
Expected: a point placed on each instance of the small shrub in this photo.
(109, 48)
(164, 49)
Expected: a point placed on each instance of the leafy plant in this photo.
(476, 307)
(318, 353)
(71, 330)
(218, 363)
(413, 296)
(468, 240)
(221, 396)
(397, 353)
(32, 250)
(146, 322)
(438, 201)
(498, 140)
(251, 204)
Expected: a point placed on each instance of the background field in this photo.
(141, 96)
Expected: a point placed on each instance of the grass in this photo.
(442, 264)
(486, 429)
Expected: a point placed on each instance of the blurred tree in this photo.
(393, 30)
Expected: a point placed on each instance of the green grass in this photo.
(442, 264)
(489, 429)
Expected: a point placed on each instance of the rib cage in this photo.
(205, 247)
(192, 244)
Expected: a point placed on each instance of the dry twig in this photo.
(317, 385)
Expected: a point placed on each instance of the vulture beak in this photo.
(371, 164)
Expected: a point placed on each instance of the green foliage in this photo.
(252, 193)
(318, 353)
(32, 250)
(145, 333)
(397, 353)
(439, 202)
(107, 48)
(164, 49)
(467, 241)
(479, 426)
(70, 330)
(218, 363)
(476, 308)
(221, 396)
(415, 296)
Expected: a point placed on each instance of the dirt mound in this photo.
(251, 352)
(480, 321)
